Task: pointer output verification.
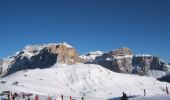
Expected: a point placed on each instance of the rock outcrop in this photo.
(165, 78)
(65, 55)
(118, 60)
(40, 56)
(123, 61)
(142, 64)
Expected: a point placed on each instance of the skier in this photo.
(82, 98)
(11, 97)
(167, 90)
(124, 97)
(28, 97)
(48, 98)
(36, 97)
(70, 98)
(23, 95)
(144, 92)
(61, 97)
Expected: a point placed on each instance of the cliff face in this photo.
(118, 60)
(123, 61)
(146, 63)
(65, 55)
(43, 56)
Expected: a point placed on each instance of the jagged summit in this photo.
(31, 50)
(120, 60)
(121, 52)
(39, 56)
(40, 47)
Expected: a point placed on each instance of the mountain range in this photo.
(57, 68)
(121, 60)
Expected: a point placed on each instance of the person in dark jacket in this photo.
(167, 91)
(124, 97)
(144, 92)
(82, 98)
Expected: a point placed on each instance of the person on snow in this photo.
(144, 92)
(82, 98)
(167, 91)
(124, 97)
(36, 97)
(48, 98)
(70, 97)
(61, 97)
(11, 96)
(28, 97)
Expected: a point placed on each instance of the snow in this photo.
(88, 80)
(143, 55)
(155, 97)
(66, 44)
(95, 53)
(89, 57)
(124, 56)
(156, 73)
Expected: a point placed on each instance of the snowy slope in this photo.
(89, 57)
(91, 81)
(155, 97)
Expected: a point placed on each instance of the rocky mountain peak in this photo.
(39, 56)
(122, 60)
(121, 52)
(66, 54)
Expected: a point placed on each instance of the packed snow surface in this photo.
(155, 97)
(89, 57)
(88, 80)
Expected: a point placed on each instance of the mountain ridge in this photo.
(120, 60)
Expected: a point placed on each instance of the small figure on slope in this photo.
(144, 92)
(124, 97)
(36, 97)
(167, 91)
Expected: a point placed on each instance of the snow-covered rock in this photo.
(124, 61)
(39, 56)
(89, 57)
(120, 60)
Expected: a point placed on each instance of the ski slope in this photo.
(88, 80)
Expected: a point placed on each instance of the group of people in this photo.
(7, 95)
(125, 97)
(57, 98)
(24, 96)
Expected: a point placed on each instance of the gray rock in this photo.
(123, 61)
(40, 57)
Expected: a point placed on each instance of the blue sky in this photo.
(88, 25)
